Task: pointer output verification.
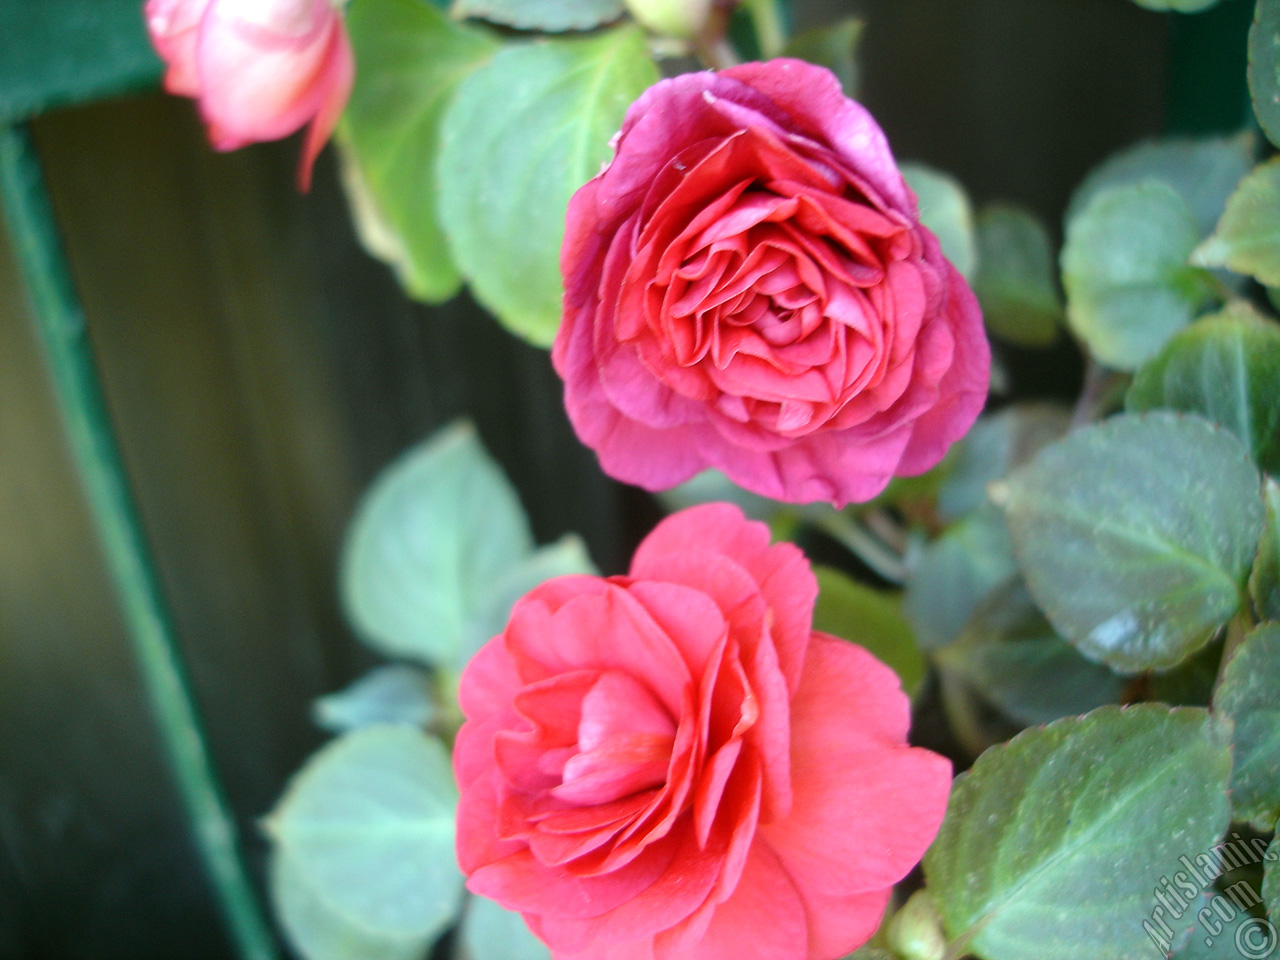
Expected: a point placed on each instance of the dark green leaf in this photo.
(58, 52)
(1135, 536)
(1015, 277)
(872, 619)
(996, 444)
(367, 826)
(835, 47)
(430, 540)
(490, 932)
(1053, 842)
(1225, 368)
(1247, 238)
(393, 694)
(1124, 266)
(1264, 67)
(410, 59)
(523, 133)
(550, 16)
(1203, 171)
(1264, 581)
(954, 573)
(1224, 929)
(1247, 694)
(1010, 653)
(318, 932)
(945, 209)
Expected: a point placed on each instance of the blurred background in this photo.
(260, 369)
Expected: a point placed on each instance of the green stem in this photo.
(863, 544)
(60, 323)
(770, 29)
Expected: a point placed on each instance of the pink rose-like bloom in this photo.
(260, 69)
(748, 287)
(673, 765)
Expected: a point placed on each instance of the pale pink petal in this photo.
(263, 67)
(173, 26)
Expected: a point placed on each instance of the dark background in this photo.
(261, 370)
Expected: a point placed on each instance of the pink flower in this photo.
(748, 287)
(260, 69)
(673, 765)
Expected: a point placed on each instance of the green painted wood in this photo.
(61, 324)
(58, 52)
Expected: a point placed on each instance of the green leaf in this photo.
(1247, 238)
(872, 619)
(1177, 6)
(1247, 695)
(1264, 67)
(548, 16)
(1204, 172)
(1054, 841)
(1015, 277)
(1227, 369)
(410, 59)
(392, 694)
(368, 825)
(945, 209)
(835, 47)
(1135, 536)
(523, 133)
(1011, 654)
(317, 932)
(1124, 267)
(1216, 938)
(568, 555)
(430, 539)
(1264, 581)
(59, 52)
(490, 932)
(996, 444)
(954, 573)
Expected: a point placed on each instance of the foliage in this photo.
(1059, 563)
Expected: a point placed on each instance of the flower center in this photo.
(625, 738)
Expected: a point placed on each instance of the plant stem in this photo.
(863, 544)
(1094, 393)
(60, 323)
(712, 46)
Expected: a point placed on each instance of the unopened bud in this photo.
(915, 932)
(684, 19)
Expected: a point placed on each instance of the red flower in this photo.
(673, 765)
(260, 69)
(748, 287)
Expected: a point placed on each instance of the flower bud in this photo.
(683, 19)
(260, 69)
(915, 932)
